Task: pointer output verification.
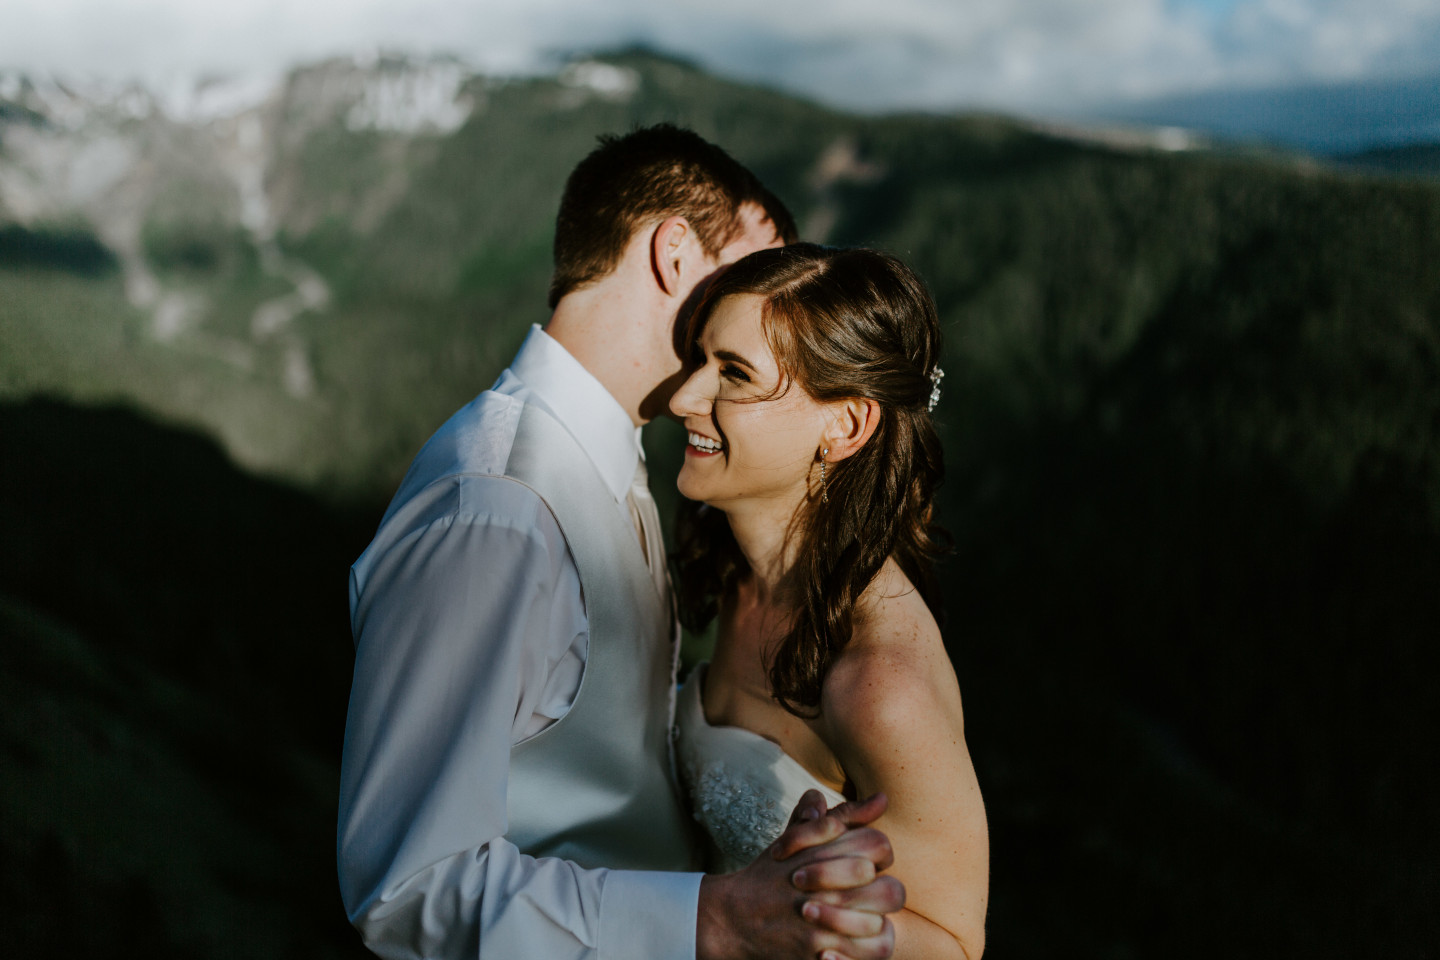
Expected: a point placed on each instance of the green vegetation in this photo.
(191, 247)
(71, 249)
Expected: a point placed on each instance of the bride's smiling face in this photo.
(751, 437)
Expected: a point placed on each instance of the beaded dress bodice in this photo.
(741, 786)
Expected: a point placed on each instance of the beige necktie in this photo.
(647, 526)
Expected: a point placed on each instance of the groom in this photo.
(505, 788)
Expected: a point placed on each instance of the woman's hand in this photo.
(817, 891)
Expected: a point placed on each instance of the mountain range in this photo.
(1192, 428)
(1336, 119)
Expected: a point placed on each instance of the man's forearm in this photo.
(497, 902)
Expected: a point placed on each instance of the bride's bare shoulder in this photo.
(895, 668)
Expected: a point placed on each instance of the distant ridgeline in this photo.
(1191, 416)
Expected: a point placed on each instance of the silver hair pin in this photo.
(935, 377)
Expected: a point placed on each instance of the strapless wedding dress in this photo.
(742, 787)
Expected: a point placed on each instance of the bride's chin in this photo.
(687, 487)
(701, 493)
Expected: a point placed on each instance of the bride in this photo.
(813, 460)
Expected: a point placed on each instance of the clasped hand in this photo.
(818, 891)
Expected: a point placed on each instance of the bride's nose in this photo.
(691, 399)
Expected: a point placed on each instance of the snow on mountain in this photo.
(200, 100)
(412, 99)
(109, 155)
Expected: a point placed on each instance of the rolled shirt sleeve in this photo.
(463, 611)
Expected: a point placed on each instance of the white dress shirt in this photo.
(453, 668)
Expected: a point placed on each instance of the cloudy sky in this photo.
(1032, 56)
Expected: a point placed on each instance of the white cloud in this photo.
(1033, 55)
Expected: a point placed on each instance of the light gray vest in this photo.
(595, 786)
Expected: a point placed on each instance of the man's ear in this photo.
(668, 245)
(852, 422)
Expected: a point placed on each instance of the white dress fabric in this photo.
(741, 786)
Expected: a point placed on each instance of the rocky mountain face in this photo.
(1190, 414)
(248, 225)
(189, 190)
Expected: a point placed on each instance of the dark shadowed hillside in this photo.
(176, 664)
(1416, 160)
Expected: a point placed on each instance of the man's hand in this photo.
(817, 889)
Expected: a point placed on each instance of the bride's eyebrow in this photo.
(732, 357)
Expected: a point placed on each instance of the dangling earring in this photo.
(824, 494)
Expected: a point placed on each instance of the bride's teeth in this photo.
(704, 443)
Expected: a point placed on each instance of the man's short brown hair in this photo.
(643, 177)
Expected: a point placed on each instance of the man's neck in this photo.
(613, 331)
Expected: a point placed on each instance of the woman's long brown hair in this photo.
(842, 324)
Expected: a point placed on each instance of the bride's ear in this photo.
(852, 423)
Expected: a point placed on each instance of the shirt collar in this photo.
(583, 406)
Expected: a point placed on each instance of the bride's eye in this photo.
(731, 372)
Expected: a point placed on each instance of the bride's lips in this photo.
(700, 445)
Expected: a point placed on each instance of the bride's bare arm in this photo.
(891, 713)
